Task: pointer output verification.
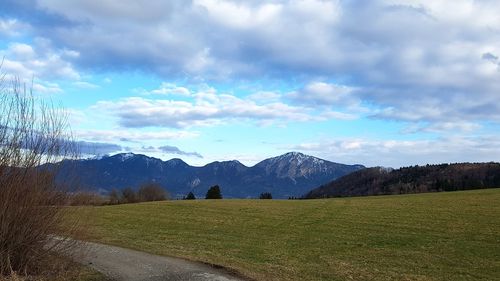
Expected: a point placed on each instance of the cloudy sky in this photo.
(389, 82)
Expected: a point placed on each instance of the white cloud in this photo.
(132, 135)
(38, 60)
(330, 114)
(200, 61)
(170, 89)
(207, 107)
(21, 50)
(46, 88)
(326, 94)
(265, 97)
(12, 27)
(140, 112)
(459, 12)
(239, 15)
(414, 60)
(443, 127)
(397, 153)
(108, 10)
(85, 85)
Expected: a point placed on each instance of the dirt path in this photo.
(128, 265)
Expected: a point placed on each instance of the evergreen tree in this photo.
(266, 195)
(190, 196)
(214, 193)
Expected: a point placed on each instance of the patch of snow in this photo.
(318, 161)
(99, 157)
(126, 156)
(195, 182)
(93, 157)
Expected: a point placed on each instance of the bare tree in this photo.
(32, 133)
(114, 197)
(129, 195)
(152, 192)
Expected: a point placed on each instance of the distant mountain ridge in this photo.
(416, 179)
(291, 174)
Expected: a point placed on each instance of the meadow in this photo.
(433, 236)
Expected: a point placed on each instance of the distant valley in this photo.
(289, 175)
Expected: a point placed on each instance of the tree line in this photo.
(145, 193)
(413, 179)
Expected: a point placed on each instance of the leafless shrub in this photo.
(114, 197)
(86, 198)
(32, 133)
(146, 193)
(152, 192)
(57, 268)
(129, 196)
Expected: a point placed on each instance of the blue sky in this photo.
(389, 82)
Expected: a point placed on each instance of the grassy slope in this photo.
(440, 236)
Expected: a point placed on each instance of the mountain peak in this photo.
(123, 156)
(294, 164)
(234, 164)
(176, 162)
(295, 157)
(294, 154)
(227, 164)
(290, 174)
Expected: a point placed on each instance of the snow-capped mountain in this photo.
(291, 174)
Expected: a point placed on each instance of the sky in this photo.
(380, 83)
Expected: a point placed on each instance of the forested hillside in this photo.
(414, 179)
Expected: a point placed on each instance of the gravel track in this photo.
(128, 265)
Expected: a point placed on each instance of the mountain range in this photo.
(289, 175)
(414, 179)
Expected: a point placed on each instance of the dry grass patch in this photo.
(57, 268)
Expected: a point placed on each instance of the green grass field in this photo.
(439, 236)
